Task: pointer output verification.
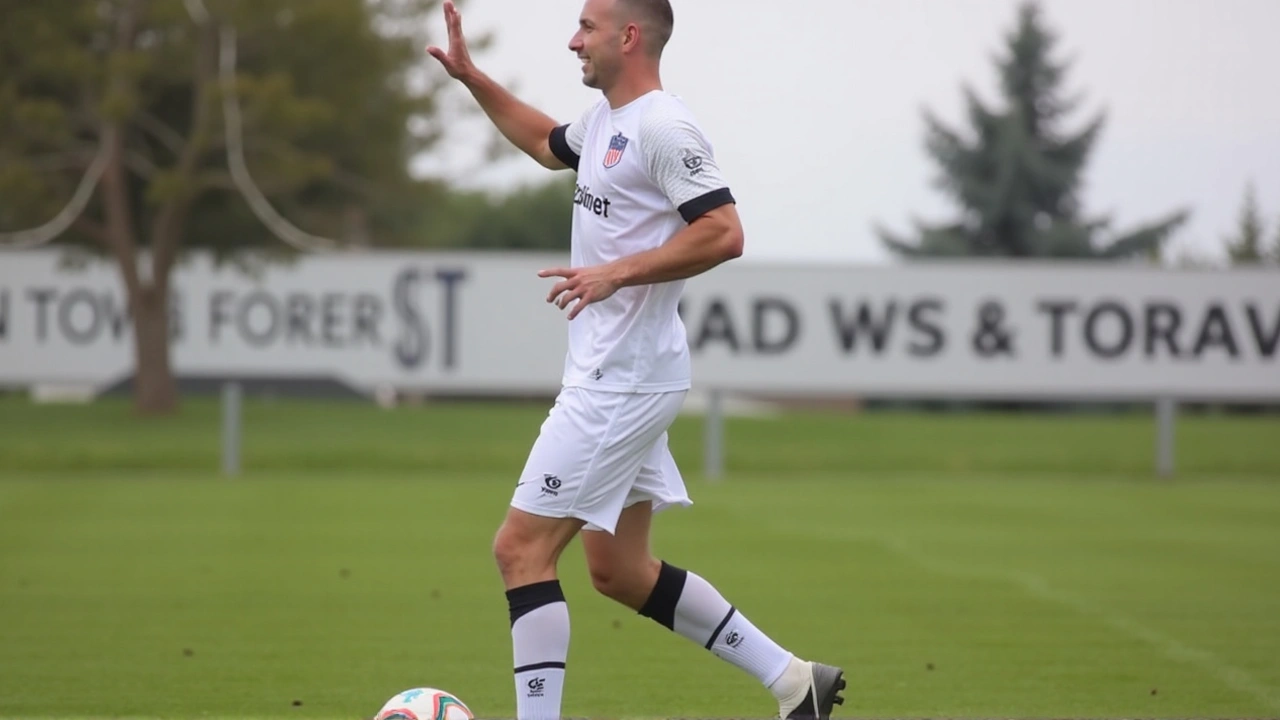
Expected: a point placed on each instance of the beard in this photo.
(593, 76)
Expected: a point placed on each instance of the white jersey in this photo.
(644, 171)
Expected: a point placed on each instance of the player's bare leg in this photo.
(527, 548)
(621, 565)
(623, 568)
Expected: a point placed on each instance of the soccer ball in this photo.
(424, 704)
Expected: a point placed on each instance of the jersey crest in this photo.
(617, 146)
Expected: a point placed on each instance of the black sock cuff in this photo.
(661, 605)
(527, 598)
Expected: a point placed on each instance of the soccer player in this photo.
(650, 210)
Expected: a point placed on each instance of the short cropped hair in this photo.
(655, 17)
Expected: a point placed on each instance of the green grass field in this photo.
(955, 566)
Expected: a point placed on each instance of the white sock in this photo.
(540, 646)
(701, 614)
(792, 685)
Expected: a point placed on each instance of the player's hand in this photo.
(586, 285)
(457, 59)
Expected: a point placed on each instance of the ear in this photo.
(631, 37)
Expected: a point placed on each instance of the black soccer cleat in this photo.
(825, 685)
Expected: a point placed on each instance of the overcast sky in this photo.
(814, 106)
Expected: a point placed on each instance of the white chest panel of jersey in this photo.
(644, 171)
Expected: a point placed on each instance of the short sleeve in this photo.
(681, 163)
(566, 140)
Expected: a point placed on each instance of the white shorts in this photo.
(601, 452)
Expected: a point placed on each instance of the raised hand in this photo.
(456, 60)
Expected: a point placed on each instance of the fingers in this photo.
(559, 288)
(446, 62)
(576, 294)
(453, 26)
(567, 291)
(568, 283)
(453, 19)
(582, 304)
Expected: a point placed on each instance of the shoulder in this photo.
(594, 112)
(590, 117)
(667, 113)
(670, 134)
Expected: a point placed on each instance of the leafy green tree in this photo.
(1017, 178)
(533, 217)
(131, 99)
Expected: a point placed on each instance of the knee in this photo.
(509, 552)
(604, 578)
(527, 547)
(525, 553)
(628, 583)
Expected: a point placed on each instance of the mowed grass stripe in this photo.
(322, 436)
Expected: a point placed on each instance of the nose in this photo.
(575, 42)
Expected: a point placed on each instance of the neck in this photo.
(631, 86)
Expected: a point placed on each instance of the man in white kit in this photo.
(651, 209)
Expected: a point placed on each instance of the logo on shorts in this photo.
(617, 146)
(597, 374)
(550, 484)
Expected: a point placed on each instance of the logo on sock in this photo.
(536, 686)
(733, 639)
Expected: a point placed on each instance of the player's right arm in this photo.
(527, 128)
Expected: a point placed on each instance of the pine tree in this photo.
(1018, 179)
(1246, 247)
(1275, 245)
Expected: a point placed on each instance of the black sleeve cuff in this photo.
(705, 203)
(560, 147)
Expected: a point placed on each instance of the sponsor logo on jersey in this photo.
(583, 197)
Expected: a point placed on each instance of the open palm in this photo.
(456, 60)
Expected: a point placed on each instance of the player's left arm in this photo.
(680, 162)
(710, 239)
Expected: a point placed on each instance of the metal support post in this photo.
(1166, 414)
(231, 427)
(713, 436)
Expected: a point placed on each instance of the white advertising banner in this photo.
(478, 323)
